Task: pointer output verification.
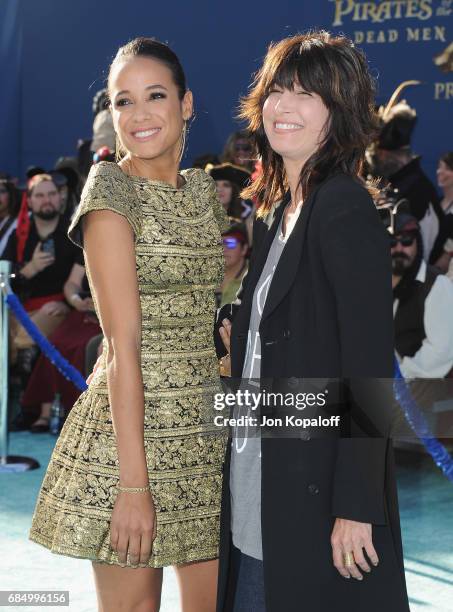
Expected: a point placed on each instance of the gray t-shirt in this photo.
(245, 472)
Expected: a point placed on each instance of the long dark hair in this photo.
(333, 68)
(13, 196)
(235, 205)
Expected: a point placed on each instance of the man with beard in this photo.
(423, 307)
(42, 257)
(392, 158)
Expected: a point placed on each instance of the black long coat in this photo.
(328, 313)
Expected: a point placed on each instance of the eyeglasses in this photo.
(404, 240)
(231, 242)
(242, 146)
(3, 190)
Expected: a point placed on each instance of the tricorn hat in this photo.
(397, 121)
(229, 172)
(396, 216)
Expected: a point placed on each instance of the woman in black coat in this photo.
(314, 523)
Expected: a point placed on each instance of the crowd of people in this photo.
(49, 272)
(140, 477)
(50, 276)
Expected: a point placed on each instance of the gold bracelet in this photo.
(133, 489)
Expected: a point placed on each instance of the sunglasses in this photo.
(404, 240)
(242, 147)
(231, 242)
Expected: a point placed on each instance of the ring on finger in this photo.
(348, 559)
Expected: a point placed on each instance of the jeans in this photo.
(249, 591)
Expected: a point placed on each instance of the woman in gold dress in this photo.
(134, 482)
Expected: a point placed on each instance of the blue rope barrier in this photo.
(68, 371)
(411, 411)
(419, 424)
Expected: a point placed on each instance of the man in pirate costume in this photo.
(391, 158)
(422, 307)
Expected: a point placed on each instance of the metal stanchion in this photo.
(8, 463)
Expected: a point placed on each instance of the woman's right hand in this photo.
(225, 333)
(225, 362)
(133, 527)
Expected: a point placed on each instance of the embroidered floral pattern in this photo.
(179, 261)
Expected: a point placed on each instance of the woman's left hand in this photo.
(352, 537)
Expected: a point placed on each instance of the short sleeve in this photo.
(219, 212)
(107, 188)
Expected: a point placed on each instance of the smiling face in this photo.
(294, 122)
(148, 114)
(444, 176)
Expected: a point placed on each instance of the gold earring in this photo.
(183, 141)
(119, 151)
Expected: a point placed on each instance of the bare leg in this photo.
(124, 589)
(45, 409)
(46, 324)
(44, 417)
(198, 585)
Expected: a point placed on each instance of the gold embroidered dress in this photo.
(179, 260)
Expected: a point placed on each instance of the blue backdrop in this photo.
(54, 55)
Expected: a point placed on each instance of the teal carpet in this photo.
(25, 565)
(426, 504)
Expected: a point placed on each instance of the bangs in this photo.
(335, 70)
(298, 68)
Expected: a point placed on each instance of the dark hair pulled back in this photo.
(156, 50)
